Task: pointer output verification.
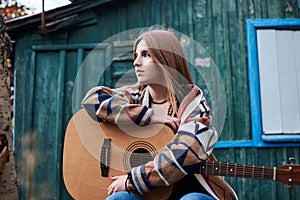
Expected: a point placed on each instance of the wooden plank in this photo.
(242, 14)
(240, 93)
(274, 10)
(78, 93)
(58, 47)
(44, 145)
(70, 74)
(59, 121)
(156, 10)
(24, 80)
(221, 45)
(254, 8)
(240, 158)
(201, 36)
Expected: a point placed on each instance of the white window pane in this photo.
(279, 58)
(288, 82)
(297, 57)
(269, 84)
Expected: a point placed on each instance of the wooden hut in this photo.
(49, 53)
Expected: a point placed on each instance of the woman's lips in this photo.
(138, 72)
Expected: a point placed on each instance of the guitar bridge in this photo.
(104, 157)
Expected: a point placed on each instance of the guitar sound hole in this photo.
(140, 156)
(138, 153)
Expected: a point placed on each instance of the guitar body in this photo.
(129, 146)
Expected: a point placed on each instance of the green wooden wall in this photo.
(46, 67)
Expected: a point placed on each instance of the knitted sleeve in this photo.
(116, 105)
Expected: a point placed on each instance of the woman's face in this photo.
(147, 72)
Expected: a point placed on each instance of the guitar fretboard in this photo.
(237, 170)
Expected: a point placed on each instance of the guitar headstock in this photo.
(289, 173)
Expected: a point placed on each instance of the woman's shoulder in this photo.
(195, 87)
(194, 91)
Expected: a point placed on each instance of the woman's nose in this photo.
(137, 62)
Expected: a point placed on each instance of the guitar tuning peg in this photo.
(292, 160)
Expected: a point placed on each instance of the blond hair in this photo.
(167, 52)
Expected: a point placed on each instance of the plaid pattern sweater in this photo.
(193, 142)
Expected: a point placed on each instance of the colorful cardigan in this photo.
(193, 142)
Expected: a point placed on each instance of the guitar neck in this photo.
(237, 170)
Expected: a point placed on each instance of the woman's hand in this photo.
(160, 118)
(117, 185)
(173, 122)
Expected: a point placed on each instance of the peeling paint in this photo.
(288, 7)
(251, 8)
(202, 62)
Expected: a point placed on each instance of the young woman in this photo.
(164, 93)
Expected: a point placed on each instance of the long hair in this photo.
(167, 52)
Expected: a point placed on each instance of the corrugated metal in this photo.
(45, 80)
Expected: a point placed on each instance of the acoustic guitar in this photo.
(93, 152)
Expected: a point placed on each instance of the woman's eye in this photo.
(146, 54)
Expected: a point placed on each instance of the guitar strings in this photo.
(237, 170)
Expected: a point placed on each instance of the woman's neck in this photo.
(158, 93)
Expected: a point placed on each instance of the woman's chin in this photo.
(142, 82)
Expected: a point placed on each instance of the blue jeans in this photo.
(123, 195)
(196, 196)
(126, 196)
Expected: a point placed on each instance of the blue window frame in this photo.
(259, 138)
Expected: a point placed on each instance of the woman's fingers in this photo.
(118, 184)
(173, 122)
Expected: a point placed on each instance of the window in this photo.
(274, 81)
